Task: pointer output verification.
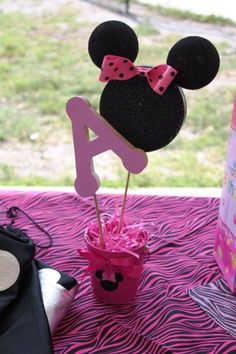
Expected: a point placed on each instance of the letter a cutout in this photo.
(83, 117)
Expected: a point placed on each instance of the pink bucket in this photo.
(115, 276)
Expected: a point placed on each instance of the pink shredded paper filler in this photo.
(131, 236)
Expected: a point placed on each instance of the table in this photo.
(163, 318)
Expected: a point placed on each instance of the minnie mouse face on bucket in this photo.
(109, 281)
(146, 104)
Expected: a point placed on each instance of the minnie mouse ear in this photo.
(112, 38)
(196, 60)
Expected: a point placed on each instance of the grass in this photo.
(39, 60)
(146, 29)
(10, 177)
(188, 15)
(44, 62)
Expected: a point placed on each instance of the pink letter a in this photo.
(83, 117)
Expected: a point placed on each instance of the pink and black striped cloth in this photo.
(167, 315)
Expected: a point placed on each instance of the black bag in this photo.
(24, 325)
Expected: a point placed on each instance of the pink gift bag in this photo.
(225, 242)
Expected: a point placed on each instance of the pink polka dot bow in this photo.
(119, 68)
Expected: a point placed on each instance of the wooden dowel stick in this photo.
(124, 201)
(101, 238)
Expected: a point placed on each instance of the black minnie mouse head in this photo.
(108, 284)
(149, 120)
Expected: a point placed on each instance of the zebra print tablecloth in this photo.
(219, 302)
(164, 318)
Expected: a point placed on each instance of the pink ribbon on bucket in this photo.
(126, 265)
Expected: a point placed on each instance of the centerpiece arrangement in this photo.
(142, 109)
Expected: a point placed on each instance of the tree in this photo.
(127, 5)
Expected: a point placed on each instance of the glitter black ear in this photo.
(112, 37)
(196, 60)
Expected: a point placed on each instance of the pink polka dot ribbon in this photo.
(120, 68)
